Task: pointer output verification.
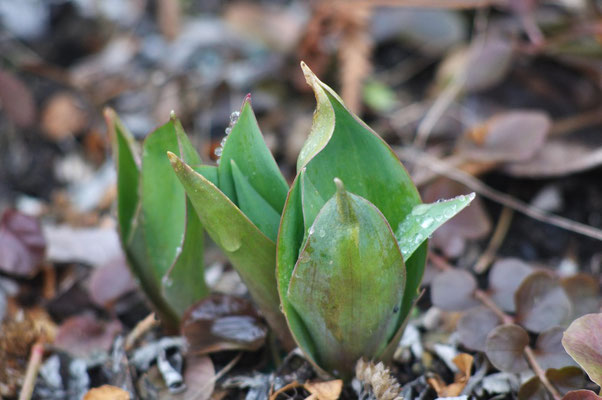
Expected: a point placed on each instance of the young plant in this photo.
(160, 231)
(352, 240)
(239, 203)
(346, 280)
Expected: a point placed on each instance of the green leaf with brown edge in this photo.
(245, 145)
(583, 341)
(505, 348)
(249, 250)
(340, 145)
(541, 303)
(425, 219)
(348, 283)
(255, 207)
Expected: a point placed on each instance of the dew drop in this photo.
(461, 197)
(218, 151)
(321, 233)
(419, 238)
(448, 213)
(228, 131)
(167, 281)
(420, 209)
(223, 142)
(234, 117)
(404, 250)
(428, 221)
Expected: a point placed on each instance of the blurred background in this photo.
(501, 97)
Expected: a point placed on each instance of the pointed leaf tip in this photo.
(172, 115)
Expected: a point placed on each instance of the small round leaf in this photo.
(453, 290)
(475, 325)
(505, 348)
(541, 302)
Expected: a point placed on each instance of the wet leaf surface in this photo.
(541, 302)
(221, 322)
(453, 290)
(583, 341)
(22, 244)
(474, 327)
(505, 348)
(505, 278)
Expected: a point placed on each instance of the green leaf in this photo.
(348, 282)
(340, 145)
(249, 250)
(184, 284)
(425, 219)
(255, 207)
(128, 171)
(153, 222)
(246, 146)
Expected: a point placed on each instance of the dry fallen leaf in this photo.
(464, 363)
(107, 392)
(330, 390)
(22, 244)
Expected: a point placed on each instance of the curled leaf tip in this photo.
(344, 205)
(310, 77)
(108, 113)
(173, 158)
(247, 98)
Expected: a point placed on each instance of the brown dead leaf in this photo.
(464, 363)
(330, 390)
(63, 116)
(107, 392)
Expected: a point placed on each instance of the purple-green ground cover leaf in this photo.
(583, 341)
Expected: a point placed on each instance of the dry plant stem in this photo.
(442, 168)
(501, 229)
(576, 122)
(482, 296)
(541, 373)
(140, 329)
(435, 113)
(31, 374)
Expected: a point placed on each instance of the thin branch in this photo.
(443, 4)
(541, 373)
(33, 366)
(140, 329)
(475, 184)
(501, 229)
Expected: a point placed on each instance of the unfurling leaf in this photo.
(349, 274)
